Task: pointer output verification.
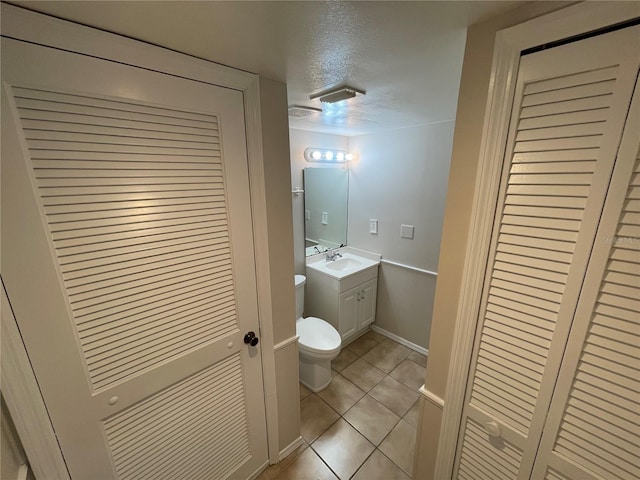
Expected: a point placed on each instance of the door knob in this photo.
(251, 339)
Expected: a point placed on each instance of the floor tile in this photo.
(409, 373)
(307, 466)
(315, 417)
(304, 392)
(387, 355)
(371, 419)
(363, 374)
(362, 345)
(293, 455)
(341, 394)
(411, 417)
(394, 346)
(379, 338)
(418, 358)
(344, 359)
(343, 449)
(378, 466)
(399, 446)
(273, 471)
(343, 424)
(394, 395)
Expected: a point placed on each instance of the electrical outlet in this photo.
(325, 218)
(307, 215)
(373, 226)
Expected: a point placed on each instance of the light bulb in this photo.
(348, 157)
(316, 155)
(328, 155)
(340, 157)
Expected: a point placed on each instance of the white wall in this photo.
(275, 143)
(298, 141)
(401, 178)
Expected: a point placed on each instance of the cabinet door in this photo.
(593, 428)
(569, 110)
(348, 312)
(367, 303)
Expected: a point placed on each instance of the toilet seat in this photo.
(317, 337)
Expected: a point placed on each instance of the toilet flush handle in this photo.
(251, 339)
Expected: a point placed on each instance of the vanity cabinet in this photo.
(357, 308)
(347, 302)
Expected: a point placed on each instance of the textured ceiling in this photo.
(407, 56)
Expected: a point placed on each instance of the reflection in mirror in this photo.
(325, 208)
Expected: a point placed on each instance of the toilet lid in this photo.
(317, 335)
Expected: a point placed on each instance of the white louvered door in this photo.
(570, 107)
(127, 253)
(593, 427)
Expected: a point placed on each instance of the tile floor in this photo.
(363, 426)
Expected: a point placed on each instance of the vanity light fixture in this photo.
(325, 155)
(337, 95)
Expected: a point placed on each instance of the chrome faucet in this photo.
(332, 255)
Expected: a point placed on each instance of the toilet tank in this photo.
(300, 281)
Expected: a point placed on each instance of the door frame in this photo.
(509, 43)
(25, 25)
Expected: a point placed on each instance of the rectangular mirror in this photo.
(326, 193)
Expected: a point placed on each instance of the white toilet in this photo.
(319, 343)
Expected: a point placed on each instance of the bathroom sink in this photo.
(343, 264)
(348, 264)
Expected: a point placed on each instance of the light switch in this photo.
(325, 218)
(406, 231)
(373, 226)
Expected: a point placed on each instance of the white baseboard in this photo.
(259, 471)
(432, 397)
(400, 340)
(285, 343)
(284, 453)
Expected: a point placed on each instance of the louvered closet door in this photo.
(569, 110)
(593, 428)
(128, 259)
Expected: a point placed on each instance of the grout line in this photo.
(323, 461)
(365, 461)
(366, 392)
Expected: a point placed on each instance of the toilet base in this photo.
(315, 374)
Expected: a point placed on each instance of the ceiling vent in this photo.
(298, 111)
(337, 95)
